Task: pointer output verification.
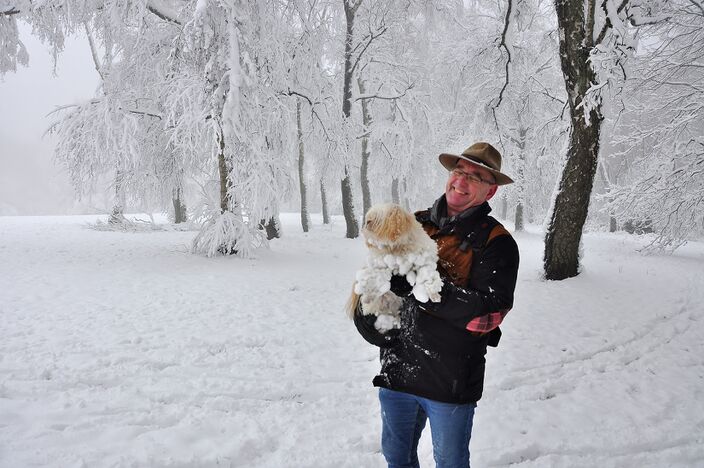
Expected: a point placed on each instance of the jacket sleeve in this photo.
(365, 327)
(489, 296)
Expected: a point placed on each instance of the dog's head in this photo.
(385, 224)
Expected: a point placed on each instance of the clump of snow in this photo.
(385, 323)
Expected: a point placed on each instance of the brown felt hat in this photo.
(481, 154)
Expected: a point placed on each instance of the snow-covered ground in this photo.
(125, 350)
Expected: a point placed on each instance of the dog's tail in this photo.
(352, 304)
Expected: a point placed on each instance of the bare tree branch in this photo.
(296, 93)
(698, 5)
(508, 53)
(354, 6)
(387, 98)
(546, 92)
(371, 39)
(313, 111)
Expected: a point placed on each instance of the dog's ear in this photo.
(370, 219)
(352, 304)
(372, 224)
(396, 223)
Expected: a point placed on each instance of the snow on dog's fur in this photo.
(397, 245)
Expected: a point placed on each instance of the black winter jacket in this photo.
(433, 355)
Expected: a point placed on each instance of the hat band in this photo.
(479, 162)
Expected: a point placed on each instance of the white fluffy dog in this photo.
(398, 245)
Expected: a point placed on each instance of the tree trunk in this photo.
(117, 216)
(613, 225)
(520, 170)
(364, 170)
(272, 227)
(324, 203)
(348, 207)
(518, 225)
(227, 203)
(305, 216)
(395, 195)
(572, 201)
(346, 184)
(180, 214)
(406, 203)
(222, 169)
(504, 207)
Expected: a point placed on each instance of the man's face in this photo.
(462, 192)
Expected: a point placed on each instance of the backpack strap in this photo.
(488, 229)
(479, 237)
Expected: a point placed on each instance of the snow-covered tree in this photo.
(596, 38)
(526, 112)
(229, 49)
(121, 131)
(659, 134)
(242, 98)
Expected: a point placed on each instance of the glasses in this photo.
(469, 177)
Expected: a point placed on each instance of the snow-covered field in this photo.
(124, 350)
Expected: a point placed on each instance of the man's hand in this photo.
(399, 285)
(366, 327)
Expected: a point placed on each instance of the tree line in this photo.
(240, 106)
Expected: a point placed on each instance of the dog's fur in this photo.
(398, 245)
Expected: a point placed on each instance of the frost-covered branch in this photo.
(163, 11)
(94, 51)
(98, 101)
(659, 136)
(545, 91)
(369, 40)
(608, 23)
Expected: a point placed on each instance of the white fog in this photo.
(30, 182)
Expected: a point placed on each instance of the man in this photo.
(432, 368)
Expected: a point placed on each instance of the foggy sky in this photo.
(30, 182)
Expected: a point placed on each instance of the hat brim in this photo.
(449, 161)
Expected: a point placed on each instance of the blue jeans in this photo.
(403, 418)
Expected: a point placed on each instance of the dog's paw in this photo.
(435, 297)
(372, 281)
(420, 293)
(412, 278)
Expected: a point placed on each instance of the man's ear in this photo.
(491, 192)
